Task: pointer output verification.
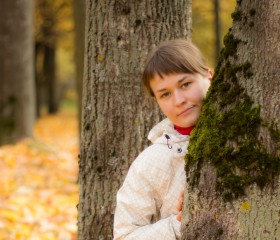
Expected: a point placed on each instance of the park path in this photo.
(38, 182)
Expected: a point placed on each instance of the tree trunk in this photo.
(233, 165)
(217, 26)
(116, 115)
(79, 19)
(17, 97)
(39, 76)
(50, 78)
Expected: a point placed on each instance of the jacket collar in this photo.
(163, 128)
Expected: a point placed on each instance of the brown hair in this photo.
(173, 56)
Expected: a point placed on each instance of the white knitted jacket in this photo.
(147, 201)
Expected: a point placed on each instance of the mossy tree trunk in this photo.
(17, 94)
(116, 115)
(233, 163)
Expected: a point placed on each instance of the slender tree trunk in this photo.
(217, 26)
(17, 97)
(50, 78)
(39, 47)
(116, 115)
(79, 19)
(233, 165)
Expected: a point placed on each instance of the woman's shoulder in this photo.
(153, 166)
(156, 152)
(155, 158)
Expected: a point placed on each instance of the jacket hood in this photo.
(164, 131)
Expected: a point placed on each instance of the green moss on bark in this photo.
(239, 2)
(243, 17)
(227, 132)
(236, 15)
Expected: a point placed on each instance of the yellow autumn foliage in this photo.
(203, 32)
(38, 184)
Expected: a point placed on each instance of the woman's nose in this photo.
(179, 98)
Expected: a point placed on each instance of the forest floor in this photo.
(38, 184)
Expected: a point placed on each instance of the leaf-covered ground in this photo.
(38, 182)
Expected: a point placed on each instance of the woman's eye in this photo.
(186, 84)
(164, 95)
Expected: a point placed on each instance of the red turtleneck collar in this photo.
(184, 131)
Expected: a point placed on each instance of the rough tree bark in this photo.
(116, 115)
(233, 163)
(17, 95)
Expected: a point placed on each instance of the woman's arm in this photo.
(139, 201)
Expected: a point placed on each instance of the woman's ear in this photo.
(210, 74)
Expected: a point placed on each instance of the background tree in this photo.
(204, 26)
(217, 26)
(79, 19)
(233, 163)
(116, 115)
(17, 104)
(53, 21)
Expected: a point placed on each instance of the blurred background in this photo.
(39, 164)
(55, 33)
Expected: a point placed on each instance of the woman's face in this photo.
(180, 96)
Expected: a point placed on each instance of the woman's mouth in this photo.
(186, 111)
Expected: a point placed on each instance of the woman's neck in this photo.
(184, 130)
